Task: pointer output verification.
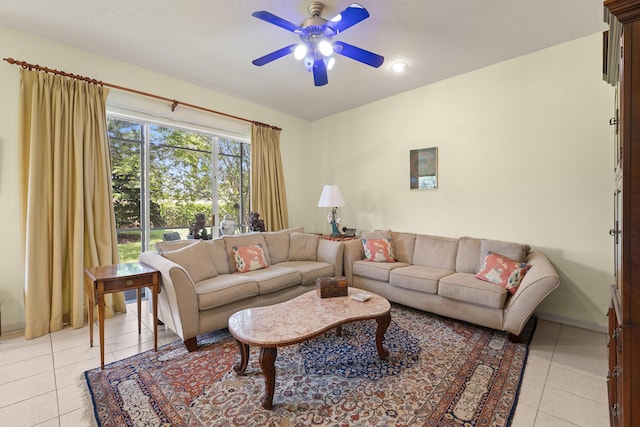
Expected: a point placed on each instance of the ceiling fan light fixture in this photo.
(300, 51)
(330, 62)
(399, 66)
(309, 62)
(316, 46)
(325, 47)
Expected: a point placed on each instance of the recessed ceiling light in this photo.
(399, 67)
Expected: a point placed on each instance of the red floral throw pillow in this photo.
(378, 250)
(249, 258)
(503, 271)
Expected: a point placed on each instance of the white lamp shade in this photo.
(331, 197)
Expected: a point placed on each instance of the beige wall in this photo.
(524, 155)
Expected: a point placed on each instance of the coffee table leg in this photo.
(383, 324)
(267, 363)
(244, 358)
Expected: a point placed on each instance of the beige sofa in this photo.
(201, 286)
(437, 274)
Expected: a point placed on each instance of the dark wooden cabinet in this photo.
(622, 69)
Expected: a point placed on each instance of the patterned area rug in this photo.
(440, 372)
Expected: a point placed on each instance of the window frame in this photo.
(214, 135)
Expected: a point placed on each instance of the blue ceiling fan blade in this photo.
(274, 55)
(320, 73)
(353, 52)
(276, 20)
(347, 18)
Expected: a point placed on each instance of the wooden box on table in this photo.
(328, 287)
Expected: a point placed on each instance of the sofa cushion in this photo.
(375, 270)
(249, 258)
(515, 251)
(434, 251)
(503, 271)
(225, 289)
(195, 260)
(303, 247)
(418, 278)
(173, 245)
(465, 287)
(248, 239)
(377, 234)
(378, 250)
(310, 270)
(403, 245)
(218, 255)
(468, 256)
(278, 243)
(274, 278)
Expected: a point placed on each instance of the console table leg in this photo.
(101, 324)
(267, 363)
(383, 324)
(139, 307)
(244, 358)
(91, 303)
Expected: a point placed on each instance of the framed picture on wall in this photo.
(423, 169)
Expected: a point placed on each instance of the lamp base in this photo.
(334, 229)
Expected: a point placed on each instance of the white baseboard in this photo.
(591, 326)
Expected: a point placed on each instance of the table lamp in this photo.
(332, 198)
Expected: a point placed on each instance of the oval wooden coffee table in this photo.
(299, 320)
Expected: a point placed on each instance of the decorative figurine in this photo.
(197, 229)
(255, 223)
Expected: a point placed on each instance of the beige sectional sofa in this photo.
(438, 274)
(201, 285)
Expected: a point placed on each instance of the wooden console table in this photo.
(117, 278)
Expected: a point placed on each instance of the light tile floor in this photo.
(42, 382)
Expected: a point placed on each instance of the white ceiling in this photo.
(212, 42)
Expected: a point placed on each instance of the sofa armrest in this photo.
(331, 252)
(540, 281)
(177, 296)
(353, 251)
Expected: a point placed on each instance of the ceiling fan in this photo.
(317, 46)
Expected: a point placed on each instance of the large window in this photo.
(163, 176)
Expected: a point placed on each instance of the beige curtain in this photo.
(268, 193)
(66, 202)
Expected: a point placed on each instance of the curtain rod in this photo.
(173, 102)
